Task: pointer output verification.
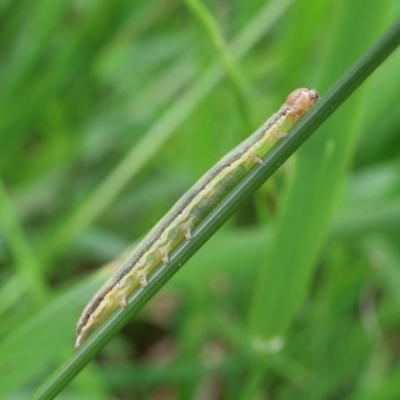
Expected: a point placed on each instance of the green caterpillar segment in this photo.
(179, 223)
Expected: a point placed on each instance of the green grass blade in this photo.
(285, 277)
(231, 68)
(154, 140)
(272, 321)
(24, 259)
(340, 92)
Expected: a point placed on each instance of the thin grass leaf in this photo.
(231, 68)
(153, 141)
(24, 258)
(340, 92)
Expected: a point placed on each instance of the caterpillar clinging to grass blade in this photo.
(191, 208)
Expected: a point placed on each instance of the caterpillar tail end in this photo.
(78, 341)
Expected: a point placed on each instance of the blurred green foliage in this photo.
(110, 110)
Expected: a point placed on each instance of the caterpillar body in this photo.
(191, 208)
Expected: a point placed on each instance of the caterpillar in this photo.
(178, 224)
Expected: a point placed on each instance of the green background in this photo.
(110, 110)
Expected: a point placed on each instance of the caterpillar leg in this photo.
(258, 159)
(164, 257)
(142, 278)
(122, 300)
(188, 234)
(280, 135)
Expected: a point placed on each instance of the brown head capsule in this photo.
(301, 100)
